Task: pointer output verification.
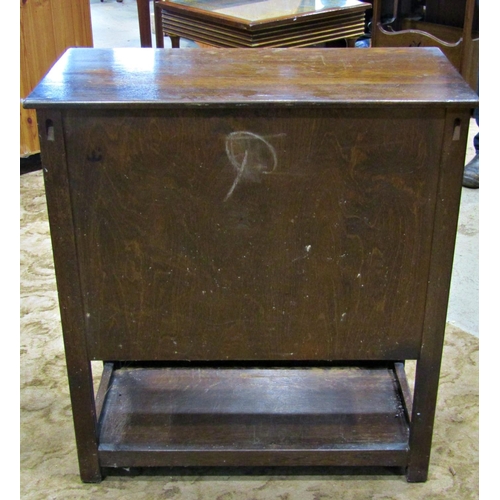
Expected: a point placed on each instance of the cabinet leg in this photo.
(91, 476)
(70, 299)
(422, 420)
(85, 422)
(415, 474)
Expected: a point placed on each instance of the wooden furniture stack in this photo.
(451, 25)
(253, 245)
(269, 23)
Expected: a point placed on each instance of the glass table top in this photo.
(260, 10)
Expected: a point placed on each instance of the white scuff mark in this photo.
(240, 170)
(246, 167)
(307, 248)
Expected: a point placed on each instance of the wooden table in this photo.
(267, 23)
(253, 245)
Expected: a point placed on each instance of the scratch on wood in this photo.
(251, 165)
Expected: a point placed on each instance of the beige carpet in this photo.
(49, 467)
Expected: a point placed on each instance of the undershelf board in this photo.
(253, 416)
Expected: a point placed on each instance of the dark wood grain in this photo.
(143, 78)
(429, 362)
(295, 207)
(255, 415)
(68, 284)
(312, 258)
(404, 387)
(104, 386)
(354, 457)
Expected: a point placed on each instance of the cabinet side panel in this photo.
(254, 234)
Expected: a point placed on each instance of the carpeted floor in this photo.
(49, 468)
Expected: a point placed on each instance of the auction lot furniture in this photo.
(253, 242)
(267, 23)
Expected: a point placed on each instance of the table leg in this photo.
(144, 23)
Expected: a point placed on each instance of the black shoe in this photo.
(471, 173)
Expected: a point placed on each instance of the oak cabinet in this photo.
(253, 242)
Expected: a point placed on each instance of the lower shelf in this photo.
(253, 416)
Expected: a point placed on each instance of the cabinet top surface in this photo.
(142, 77)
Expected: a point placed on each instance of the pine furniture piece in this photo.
(267, 23)
(253, 242)
(451, 25)
(48, 28)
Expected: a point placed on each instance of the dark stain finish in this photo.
(280, 223)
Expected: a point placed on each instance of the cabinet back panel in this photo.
(253, 234)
